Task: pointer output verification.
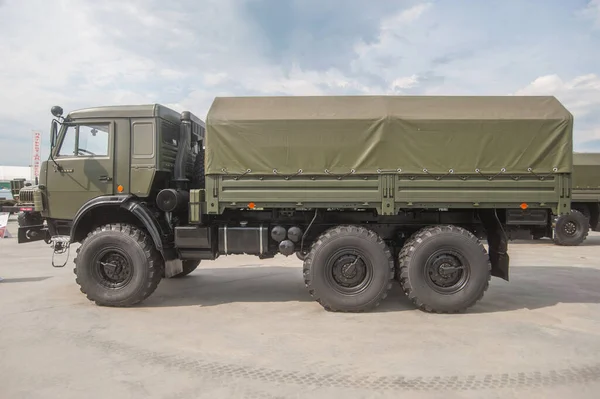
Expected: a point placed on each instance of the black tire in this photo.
(571, 229)
(29, 219)
(188, 266)
(425, 283)
(135, 265)
(198, 177)
(349, 269)
(585, 210)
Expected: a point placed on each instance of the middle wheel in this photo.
(349, 269)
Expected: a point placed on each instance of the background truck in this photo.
(586, 186)
(585, 201)
(363, 189)
(26, 214)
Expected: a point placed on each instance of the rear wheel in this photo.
(117, 265)
(444, 269)
(349, 269)
(571, 229)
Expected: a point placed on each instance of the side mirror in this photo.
(53, 133)
(56, 111)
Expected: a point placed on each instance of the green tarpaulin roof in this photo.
(365, 134)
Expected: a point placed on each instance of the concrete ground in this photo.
(240, 327)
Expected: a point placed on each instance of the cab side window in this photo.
(93, 140)
(85, 140)
(67, 147)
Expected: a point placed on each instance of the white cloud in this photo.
(85, 53)
(81, 53)
(212, 79)
(391, 35)
(62, 54)
(406, 16)
(581, 95)
(382, 57)
(592, 12)
(405, 82)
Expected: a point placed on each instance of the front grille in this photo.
(26, 195)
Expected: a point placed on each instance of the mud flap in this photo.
(497, 243)
(173, 267)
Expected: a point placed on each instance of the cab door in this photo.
(84, 167)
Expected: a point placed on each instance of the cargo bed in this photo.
(389, 153)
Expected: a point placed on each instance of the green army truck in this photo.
(585, 203)
(21, 191)
(586, 187)
(362, 189)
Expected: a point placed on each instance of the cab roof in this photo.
(132, 111)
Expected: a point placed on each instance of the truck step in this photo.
(60, 245)
(61, 239)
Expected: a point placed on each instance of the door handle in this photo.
(104, 178)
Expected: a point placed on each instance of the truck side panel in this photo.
(277, 192)
(482, 191)
(387, 193)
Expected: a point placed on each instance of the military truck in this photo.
(14, 205)
(585, 202)
(362, 189)
(22, 203)
(586, 186)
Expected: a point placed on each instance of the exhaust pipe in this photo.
(185, 133)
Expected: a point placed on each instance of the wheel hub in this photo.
(114, 269)
(349, 271)
(570, 228)
(446, 273)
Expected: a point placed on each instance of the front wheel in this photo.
(444, 269)
(117, 265)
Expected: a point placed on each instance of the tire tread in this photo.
(559, 240)
(153, 257)
(327, 236)
(405, 258)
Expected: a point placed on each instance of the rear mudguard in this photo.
(497, 243)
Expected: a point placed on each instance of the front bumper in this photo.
(17, 208)
(32, 233)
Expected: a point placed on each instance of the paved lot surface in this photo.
(245, 328)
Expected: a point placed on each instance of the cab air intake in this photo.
(171, 200)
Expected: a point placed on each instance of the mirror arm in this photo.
(53, 145)
(54, 161)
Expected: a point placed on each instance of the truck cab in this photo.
(105, 155)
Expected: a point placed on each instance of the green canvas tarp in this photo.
(586, 170)
(338, 134)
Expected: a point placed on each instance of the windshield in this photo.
(84, 140)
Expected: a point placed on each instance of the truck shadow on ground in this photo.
(590, 241)
(531, 287)
(536, 287)
(24, 279)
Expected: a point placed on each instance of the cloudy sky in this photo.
(80, 53)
